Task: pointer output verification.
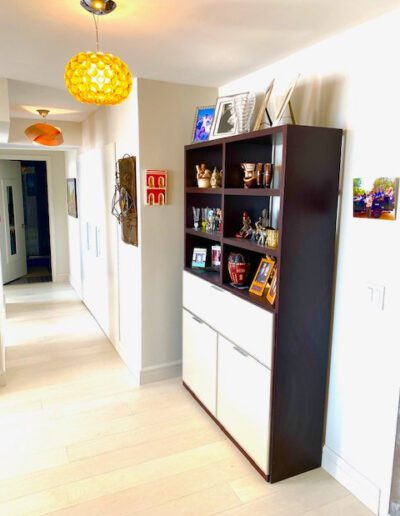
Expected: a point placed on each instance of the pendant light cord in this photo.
(96, 24)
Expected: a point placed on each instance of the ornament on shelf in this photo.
(203, 176)
(268, 173)
(250, 175)
(262, 226)
(238, 268)
(246, 231)
(216, 178)
(196, 217)
(243, 109)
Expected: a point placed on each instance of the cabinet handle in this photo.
(217, 288)
(240, 351)
(197, 319)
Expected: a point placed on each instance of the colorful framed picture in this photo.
(374, 198)
(71, 198)
(156, 187)
(199, 258)
(202, 123)
(271, 292)
(263, 273)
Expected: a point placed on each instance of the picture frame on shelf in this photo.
(225, 122)
(271, 290)
(263, 111)
(262, 275)
(199, 258)
(202, 123)
(285, 102)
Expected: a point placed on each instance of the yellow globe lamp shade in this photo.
(97, 78)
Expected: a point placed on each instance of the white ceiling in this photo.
(204, 42)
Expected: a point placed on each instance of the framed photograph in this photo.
(225, 122)
(202, 123)
(263, 273)
(271, 292)
(285, 101)
(263, 111)
(199, 258)
(374, 198)
(71, 198)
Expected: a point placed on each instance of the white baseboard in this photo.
(367, 492)
(2, 379)
(60, 278)
(160, 372)
(75, 285)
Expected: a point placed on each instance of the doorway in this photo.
(25, 238)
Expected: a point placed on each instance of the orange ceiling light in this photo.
(96, 77)
(43, 133)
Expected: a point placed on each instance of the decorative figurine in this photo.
(250, 175)
(216, 178)
(210, 224)
(204, 214)
(268, 172)
(216, 257)
(203, 176)
(196, 217)
(260, 175)
(238, 268)
(246, 230)
(272, 238)
(262, 226)
(219, 219)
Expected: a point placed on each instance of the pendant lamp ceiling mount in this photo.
(43, 112)
(99, 7)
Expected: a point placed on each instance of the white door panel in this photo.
(12, 229)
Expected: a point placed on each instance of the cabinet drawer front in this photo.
(199, 352)
(202, 298)
(247, 325)
(243, 400)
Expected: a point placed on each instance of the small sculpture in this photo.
(203, 176)
(268, 172)
(218, 219)
(260, 175)
(210, 224)
(238, 268)
(204, 215)
(262, 226)
(216, 178)
(246, 230)
(250, 175)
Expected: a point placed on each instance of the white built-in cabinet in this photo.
(226, 362)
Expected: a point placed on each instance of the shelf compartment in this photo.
(249, 245)
(216, 236)
(207, 200)
(210, 154)
(255, 192)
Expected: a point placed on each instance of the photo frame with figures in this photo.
(202, 123)
(199, 258)
(225, 122)
(271, 290)
(262, 275)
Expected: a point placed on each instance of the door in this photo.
(244, 400)
(12, 230)
(200, 360)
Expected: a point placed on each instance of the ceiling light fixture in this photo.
(95, 77)
(44, 133)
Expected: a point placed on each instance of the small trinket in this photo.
(260, 175)
(250, 175)
(196, 217)
(268, 175)
(246, 230)
(203, 176)
(216, 178)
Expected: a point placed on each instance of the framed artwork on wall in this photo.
(156, 187)
(71, 198)
(374, 198)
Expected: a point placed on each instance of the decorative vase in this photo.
(268, 171)
(243, 108)
(238, 268)
(250, 175)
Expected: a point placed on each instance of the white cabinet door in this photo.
(243, 400)
(200, 360)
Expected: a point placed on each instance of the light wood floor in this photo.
(76, 438)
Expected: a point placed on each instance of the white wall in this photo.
(153, 124)
(57, 189)
(71, 171)
(349, 81)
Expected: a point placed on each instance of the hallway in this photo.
(76, 437)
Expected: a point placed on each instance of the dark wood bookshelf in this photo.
(207, 275)
(303, 198)
(210, 235)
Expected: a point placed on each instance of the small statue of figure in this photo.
(216, 178)
(246, 230)
(250, 175)
(219, 220)
(203, 176)
(262, 225)
(210, 221)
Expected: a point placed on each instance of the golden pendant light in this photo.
(95, 77)
(43, 133)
